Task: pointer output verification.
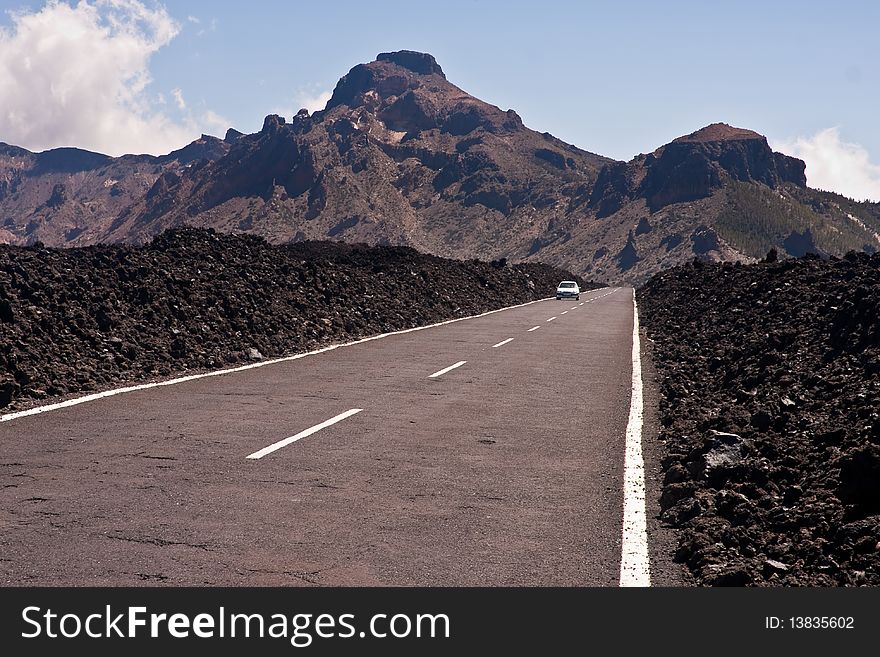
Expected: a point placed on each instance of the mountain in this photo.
(720, 193)
(402, 156)
(69, 196)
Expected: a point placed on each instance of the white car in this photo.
(567, 290)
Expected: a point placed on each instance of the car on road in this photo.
(567, 290)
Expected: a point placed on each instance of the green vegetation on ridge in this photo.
(757, 218)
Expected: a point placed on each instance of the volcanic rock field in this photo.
(770, 415)
(86, 319)
(769, 374)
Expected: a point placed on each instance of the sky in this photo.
(616, 78)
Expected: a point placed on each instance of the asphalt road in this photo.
(506, 470)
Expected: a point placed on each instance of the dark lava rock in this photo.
(193, 300)
(772, 566)
(682, 511)
(731, 577)
(7, 392)
(761, 420)
(860, 478)
(6, 313)
(721, 453)
(770, 416)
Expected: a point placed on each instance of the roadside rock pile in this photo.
(74, 320)
(770, 413)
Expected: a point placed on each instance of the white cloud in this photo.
(313, 102)
(77, 75)
(835, 165)
(193, 19)
(214, 123)
(178, 98)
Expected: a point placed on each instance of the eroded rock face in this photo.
(691, 168)
(75, 320)
(770, 412)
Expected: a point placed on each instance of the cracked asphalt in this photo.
(504, 471)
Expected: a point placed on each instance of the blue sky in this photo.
(616, 78)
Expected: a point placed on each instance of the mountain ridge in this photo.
(401, 156)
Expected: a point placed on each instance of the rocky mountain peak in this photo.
(272, 123)
(205, 147)
(692, 167)
(232, 135)
(417, 62)
(391, 74)
(718, 132)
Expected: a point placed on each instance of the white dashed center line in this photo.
(564, 312)
(551, 319)
(302, 434)
(446, 369)
(534, 328)
(502, 343)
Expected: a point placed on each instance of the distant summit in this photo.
(693, 167)
(718, 132)
(417, 62)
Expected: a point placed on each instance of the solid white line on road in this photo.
(502, 343)
(551, 319)
(564, 312)
(635, 567)
(302, 434)
(534, 328)
(192, 377)
(446, 369)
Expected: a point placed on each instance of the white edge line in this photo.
(534, 328)
(446, 369)
(302, 434)
(502, 343)
(634, 560)
(192, 377)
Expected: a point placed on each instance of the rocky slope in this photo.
(68, 196)
(719, 194)
(770, 378)
(82, 319)
(402, 156)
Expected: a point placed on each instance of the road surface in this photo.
(488, 451)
